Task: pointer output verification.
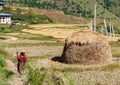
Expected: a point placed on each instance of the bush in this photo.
(35, 77)
(6, 73)
(11, 28)
(2, 62)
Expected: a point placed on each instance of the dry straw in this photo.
(86, 48)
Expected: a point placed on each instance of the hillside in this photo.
(64, 11)
(108, 9)
(42, 16)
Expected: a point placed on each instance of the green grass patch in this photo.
(5, 74)
(70, 27)
(4, 54)
(58, 75)
(71, 82)
(35, 77)
(11, 28)
(114, 44)
(2, 62)
(31, 36)
(109, 67)
(28, 16)
(44, 76)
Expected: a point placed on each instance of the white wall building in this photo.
(1, 5)
(5, 18)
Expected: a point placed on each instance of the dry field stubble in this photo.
(55, 30)
(116, 51)
(80, 75)
(36, 50)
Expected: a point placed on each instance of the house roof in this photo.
(2, 3)
(5, 15)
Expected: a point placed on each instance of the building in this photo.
(16, 22)
(1, 5)
(5, 18)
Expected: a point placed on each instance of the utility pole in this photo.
(105, 25)
(95, 18)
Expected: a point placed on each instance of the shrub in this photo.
(35, 77)
(2, 63)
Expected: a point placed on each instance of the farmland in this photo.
(43, 51)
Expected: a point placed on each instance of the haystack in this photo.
(86, 48)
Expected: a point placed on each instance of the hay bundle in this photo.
(86, 47)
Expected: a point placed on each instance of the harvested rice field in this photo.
(43, 59)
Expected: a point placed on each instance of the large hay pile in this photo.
(86, 47)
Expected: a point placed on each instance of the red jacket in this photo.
(21, 58)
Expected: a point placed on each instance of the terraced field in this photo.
(55, 30)
(43, 54)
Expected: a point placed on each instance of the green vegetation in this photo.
(117, 31)
(42, 76)
(110, 5)
(11, 28)
(31, 36)
(35, 77)
(71, 82)
(115, 48)
(114, 44)
(105, 9)
(5, 74)
(59, 75)
(71, 27)
(27, 16)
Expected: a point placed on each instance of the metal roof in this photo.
(2, 3)
(5, 14)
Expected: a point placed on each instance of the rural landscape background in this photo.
(42, 29)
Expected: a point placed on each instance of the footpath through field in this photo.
(16, 79)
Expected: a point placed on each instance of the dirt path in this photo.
(16, 79)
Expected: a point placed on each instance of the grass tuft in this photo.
(35, 77)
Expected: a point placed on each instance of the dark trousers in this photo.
(19, 67)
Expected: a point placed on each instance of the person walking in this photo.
(21, 57)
